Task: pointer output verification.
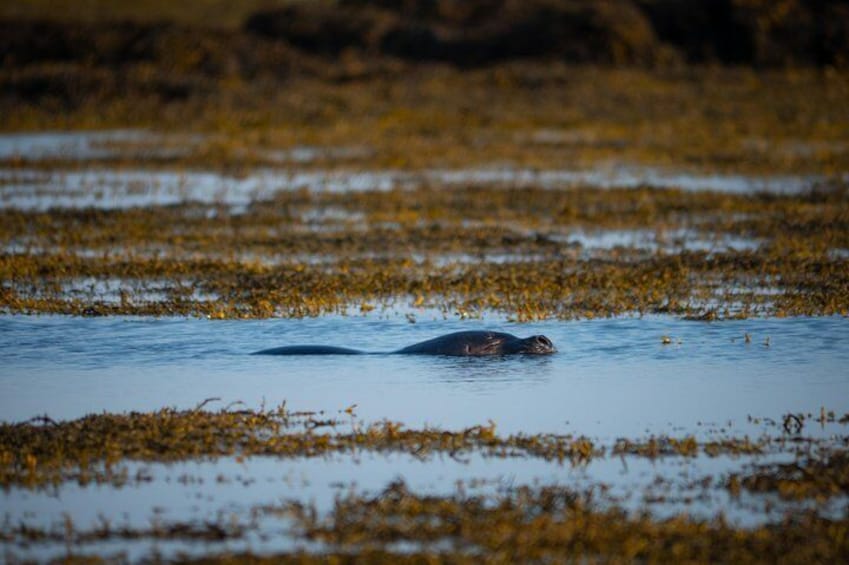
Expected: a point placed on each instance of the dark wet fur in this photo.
(468, 343)
(308, 350)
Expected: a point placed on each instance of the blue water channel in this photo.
(610, 378)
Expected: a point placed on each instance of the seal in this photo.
(465, 344)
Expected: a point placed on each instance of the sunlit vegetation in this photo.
(556, 523)
(516, 522)
(43, 452)
(518, 254)
(552, 116)
(527, 523)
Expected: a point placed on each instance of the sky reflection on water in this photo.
(610, 378)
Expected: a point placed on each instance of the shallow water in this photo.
(75, 144)
(85, 145)
(239, 492)
(609, 379)
(109, 188)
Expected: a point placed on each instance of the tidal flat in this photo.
(527, 252)
(176, 195)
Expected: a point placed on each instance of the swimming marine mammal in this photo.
(466, 343)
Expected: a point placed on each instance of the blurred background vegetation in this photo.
(445, 82)
(204, 13)
(760, 32)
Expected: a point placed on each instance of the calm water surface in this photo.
(109, 188)
(610, 378)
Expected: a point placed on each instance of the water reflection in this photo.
(100, 144)
(609, 378)
(490, 371)
(108, 188)
(246, 492)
